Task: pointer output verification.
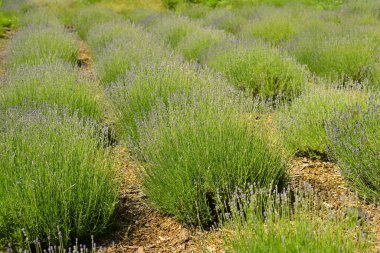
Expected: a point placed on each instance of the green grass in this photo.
(198, 149)
(36, 45)
(354, 140)
(54, 171)
(258, 68)
(297, 222)
(302, 124)
(55, 83)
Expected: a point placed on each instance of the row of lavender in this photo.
(307, 125)
(204, 160)
(56, 167)
(183, 122)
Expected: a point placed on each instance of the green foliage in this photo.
(172, 29)
(340, 58)
(276, 25)
(293, 222)
(258, 68)
(302, 124)
(354, 138)
(54, 171)
(36, 45)
(56, 83)
(145, 86)
(225, 20)
(198, 149)
(139, 15)
(122, 54)
(8, 20)
(197, 43)
(92, 16)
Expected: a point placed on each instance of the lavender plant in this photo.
(354, 138)
(51, 84)
(258, 68)
(197, 147)
(196, 44)
(292, 222)
(302, 123)
(54, 171)
(35, 45)
(92, 16)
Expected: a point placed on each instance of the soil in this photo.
(4, 39)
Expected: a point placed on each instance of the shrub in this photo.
(92, 16)
(144, 86)
(37, 45)
(122, 53)
(41, 18)
(196, 149)
(197, 43)
(193, 11)
(354, 138)
(258, 68)
(172, 29)
(56, 83)
(103, 34)
(275, 25)
(340, 58)
(225, 20)
(139, 15)
(293, 222)
(302, 124)
(54, 171)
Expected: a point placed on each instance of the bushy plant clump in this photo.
(53, 83)
(198, 149)
(123, 53)
(146, 85)
(103, 34)
(172, 28)
(302, 124)
(139, 15)
(275, 25)
(41, 18)
(259, 68)
(92, 16)
(36, 45)
(55, 171)
(196, 44)
(223, 19)
(339, 58)
(293, 222)
(354, 138)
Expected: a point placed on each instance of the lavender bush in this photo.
(354, 138)
(54, 171)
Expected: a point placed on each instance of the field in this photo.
(189, 126)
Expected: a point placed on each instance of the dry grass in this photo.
(126, 5)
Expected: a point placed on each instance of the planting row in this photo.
(57, 175)
(302, 125)
(183, 122)
(189, 128)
